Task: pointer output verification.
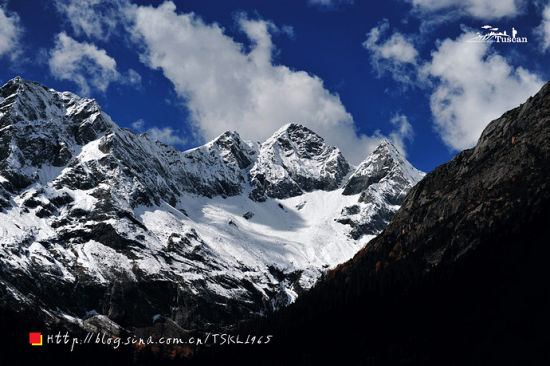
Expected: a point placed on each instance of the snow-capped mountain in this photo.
(98, 222)
(296, 160)
(382, 181)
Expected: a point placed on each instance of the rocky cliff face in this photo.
(502, 181)
(102, 225)
(40, 128)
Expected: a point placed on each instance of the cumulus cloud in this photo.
(228, 86)
(396, 54)
(165, 134)
(10, 32)
(543, 30)
(82, 63)
(86, 65)
(472, 86)
(403, 132)
(481, 9)
(92, 18)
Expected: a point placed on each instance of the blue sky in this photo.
(413, 71)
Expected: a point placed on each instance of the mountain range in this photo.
(103, 228)
(379, 264)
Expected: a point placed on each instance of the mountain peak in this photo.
(386, 143)
(41, 127)
(233, 149)
(227, 136)
(383, 164)
(293, 160)
(20, 86)
(381, 181)
(13, 87)
(292, 126)
(16, 80)
(298, 140)
(34, 101)
(294, 132)
(387, 147)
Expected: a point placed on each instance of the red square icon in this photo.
(35, 338)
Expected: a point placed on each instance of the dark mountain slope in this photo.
(459, 277)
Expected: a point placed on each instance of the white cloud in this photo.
(396, 55)
(543, 30)
(86, 65)
(82, 63)
(131, 77)
(403, 132)
(288, 30)
(166, 135)
(92, 18)
(230, 87)
(481, 9)
(138, 125)
(10, 32)
(472, 86)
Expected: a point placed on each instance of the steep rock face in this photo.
(382, 180)
(40, 131)
(209, 170)
(229, 155)
(502, 180)
(296, 160)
